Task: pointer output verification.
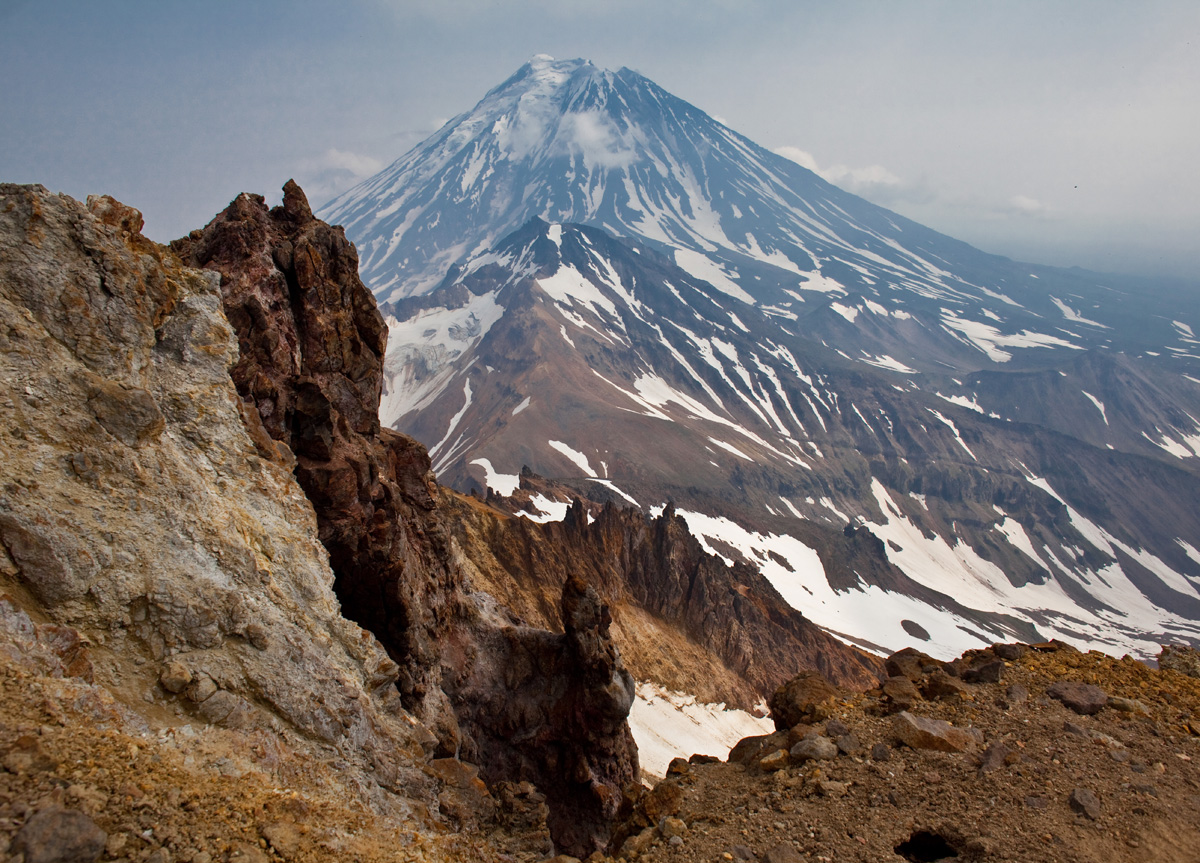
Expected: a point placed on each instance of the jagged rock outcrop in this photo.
(559, 720)
(309, 372)
(310, 354)
(139, 526)
(659, 580)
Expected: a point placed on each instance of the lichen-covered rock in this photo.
(1181, 658)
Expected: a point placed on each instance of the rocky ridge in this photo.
(312, 344)
(740, 639)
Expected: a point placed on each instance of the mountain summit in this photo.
(916, 442)
(565, 141)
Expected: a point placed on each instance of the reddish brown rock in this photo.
(808, 697)
(524, 704)
(1083, 698)
(910, 663)
(919, 732)
(558, 720)
(899, 693)
(940, 685)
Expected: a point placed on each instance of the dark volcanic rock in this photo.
(1083, 698)
(1085, 802)
(985, 672)
(558, 719)
(311, 346)
(59, 836)
(910, 663)
(1011, 652)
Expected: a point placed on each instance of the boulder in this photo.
(919, 732)
(57, 835)
(939, 686)
(1083, 698)
(1181, 658)
(814, 749)
(994, 757)
(749, 748)
(899, 693)
(1085, 802)
(175, 676)
(1011, 652)
(989, 671)
(910, 663)
(774, 760)
(807, 697)
(1128, 705)
(783, 853)
(849, 744)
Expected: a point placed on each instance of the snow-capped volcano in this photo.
(567, 142)
(917, 442)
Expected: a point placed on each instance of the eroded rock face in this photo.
(569, 693)
(524, 704)
(310, 360)
(731, 617)
(138, 517)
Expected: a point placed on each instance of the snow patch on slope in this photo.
(580, 460)
(668, 725)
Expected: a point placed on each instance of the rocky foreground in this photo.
(1049, 755)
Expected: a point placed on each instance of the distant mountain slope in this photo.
(565, 141)
(917, 442)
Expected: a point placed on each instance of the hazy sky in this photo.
(1058, 132)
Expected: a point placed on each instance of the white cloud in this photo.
(1026, 206)
(871, 181)
(357, 164)
(594, 136)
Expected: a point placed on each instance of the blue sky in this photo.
(1058, 132)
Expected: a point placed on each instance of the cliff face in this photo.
(142, 532)
(741, 639)
(309, 373)
(310, 353)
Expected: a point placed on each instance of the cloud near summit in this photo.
(874, 182)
